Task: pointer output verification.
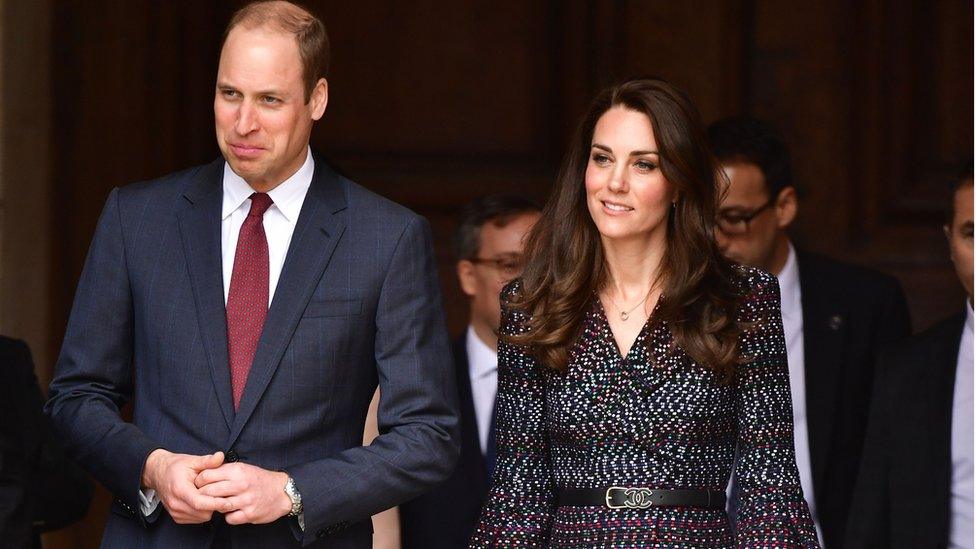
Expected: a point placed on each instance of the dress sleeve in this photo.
(521, 502)
(772, 512)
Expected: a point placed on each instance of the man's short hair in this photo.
(962, 178)
(285, 17)
(750, 140)
(499, 209)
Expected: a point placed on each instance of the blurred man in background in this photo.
(836, 316)
(488, 245)
(915, 488)
(40, 489)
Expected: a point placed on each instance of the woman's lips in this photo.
(612, 208)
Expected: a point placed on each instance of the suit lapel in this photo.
(316, 235)
(942, 381)
(824, 329)
(199, 221)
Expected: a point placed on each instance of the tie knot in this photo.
(260, 202)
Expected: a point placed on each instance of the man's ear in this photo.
(319, 98)
(466, 277)
(785, 207)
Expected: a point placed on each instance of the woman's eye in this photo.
(645, 166)
(601, 159)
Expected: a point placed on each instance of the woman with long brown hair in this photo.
(636, 364)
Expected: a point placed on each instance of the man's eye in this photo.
(271, 100)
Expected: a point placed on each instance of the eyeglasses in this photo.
(508, 267)
(737, 222)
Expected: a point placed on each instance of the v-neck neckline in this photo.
(640, 334)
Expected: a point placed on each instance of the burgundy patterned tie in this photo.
(247, 300)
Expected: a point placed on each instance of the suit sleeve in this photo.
(418, 412)
(522, 500)
(94, 373)
(772, 512)
(868, 524)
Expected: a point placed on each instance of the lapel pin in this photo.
(835, 322)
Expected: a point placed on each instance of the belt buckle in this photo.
(634, 498)
(609, 497)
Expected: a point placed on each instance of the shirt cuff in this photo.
(148, 501)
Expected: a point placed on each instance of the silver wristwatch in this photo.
(295, 496)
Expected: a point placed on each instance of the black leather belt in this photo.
(622, 497)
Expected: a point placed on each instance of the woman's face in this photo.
(626, 192)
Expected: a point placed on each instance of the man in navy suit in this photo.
(249, 308)
(488, 245)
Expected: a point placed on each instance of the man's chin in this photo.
(247, 170)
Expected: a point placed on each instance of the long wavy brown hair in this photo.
(566, 262)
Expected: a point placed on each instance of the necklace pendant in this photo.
(624, 315)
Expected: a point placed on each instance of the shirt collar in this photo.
(482, 361)
(287, 197)
(789, 284)
(969, 316)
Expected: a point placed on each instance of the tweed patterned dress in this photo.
(661, 423)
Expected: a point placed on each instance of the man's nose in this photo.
(247, 120)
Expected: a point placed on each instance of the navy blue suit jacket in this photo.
(357, 303)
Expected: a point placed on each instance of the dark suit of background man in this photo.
(488, 245)
(248, 417)
(836, 316)
(40, 489)
(915, 489)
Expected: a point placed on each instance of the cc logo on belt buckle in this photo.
(634, 498)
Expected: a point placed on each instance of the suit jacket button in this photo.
(231, 456)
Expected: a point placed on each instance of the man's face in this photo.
(960, 235)
(263, 122)
(499, 261)
(750, 221)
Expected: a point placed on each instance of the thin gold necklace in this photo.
(624, 315)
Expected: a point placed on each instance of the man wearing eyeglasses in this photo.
(836, 316)
(488, 245)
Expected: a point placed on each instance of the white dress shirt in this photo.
(279, 220)
(483, 371)
(279, 224)
(961, 487)
(792, 309)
